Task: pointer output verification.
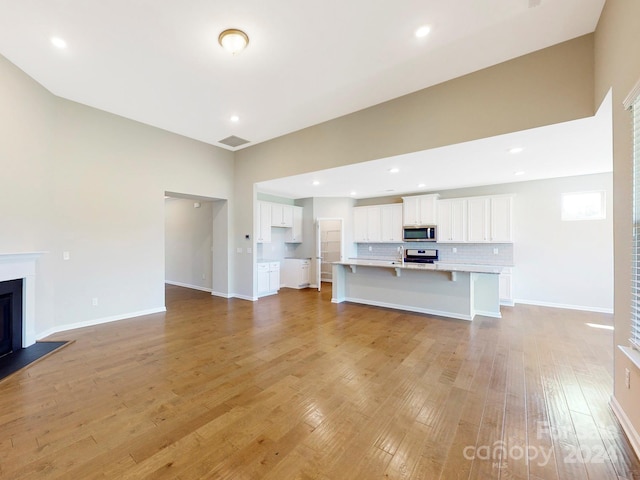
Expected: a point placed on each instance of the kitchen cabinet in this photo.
(391, 223)
(294, 234)
(366, 224)
(420, 210)
(295, 272)
(490, 219)
(263, 223)
(452, 220)
(502, 218)
(281, 215)
(268, 278)
(476, 219)
(505, 282)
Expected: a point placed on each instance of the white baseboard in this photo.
(508, 303)
(187, 285)
(565, 306)
(245, 297)
(488, 314)
(223, 295)
(627, 426)
(99, 321)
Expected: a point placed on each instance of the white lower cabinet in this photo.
(505, 282)
(268, 278)
(295, 273)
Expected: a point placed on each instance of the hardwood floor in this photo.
(295, 387)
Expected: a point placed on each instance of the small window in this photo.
(583, 206)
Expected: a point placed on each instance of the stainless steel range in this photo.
(415, 255)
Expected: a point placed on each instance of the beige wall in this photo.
(84, 181)
(617, 62)
(546, 87)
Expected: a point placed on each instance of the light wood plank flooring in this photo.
(295, 387)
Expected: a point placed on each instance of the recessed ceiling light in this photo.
(519, 173)
(352, 193)
(58, 42)
(394, 170)
(235, 118)
(233, 40)
(515, 150)
(316, 182)
(421, 185)
(423, 31)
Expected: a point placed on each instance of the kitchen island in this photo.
(449, 290)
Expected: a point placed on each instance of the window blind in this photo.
(634, 104)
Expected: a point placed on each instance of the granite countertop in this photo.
(444, 267)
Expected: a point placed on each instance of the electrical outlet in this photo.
(495, 251)
(94, 301)
(627, 378)
(66, 256)
(454, 250)
(203, 276)
(370, 248)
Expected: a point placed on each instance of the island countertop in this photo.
(441, 266)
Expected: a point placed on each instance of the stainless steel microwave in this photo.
(425, 233)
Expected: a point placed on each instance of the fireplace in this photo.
(19, 270)
(10, 316)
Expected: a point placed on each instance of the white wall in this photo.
(188, 243)
(558, 263)
(84, 181)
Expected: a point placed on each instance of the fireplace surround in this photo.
(15, 266)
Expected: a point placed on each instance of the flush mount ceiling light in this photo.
(233, 40)
(316, 183)
(394, 170)
(515, 150)
(235, 118)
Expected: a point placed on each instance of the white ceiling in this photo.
(579, 147)
(158, 61)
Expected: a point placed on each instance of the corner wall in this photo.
(617, 67)
(549, 86)
(92, 184)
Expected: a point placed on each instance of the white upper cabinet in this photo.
(281, 215)
(294, 234)
(502, 218)
(490, 219)
(391, 223)
(420, 210)
(263, 223)
(367, 224)
(476, 219)
(452, 220)
(479, 213)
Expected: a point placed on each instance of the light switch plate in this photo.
(239, 250)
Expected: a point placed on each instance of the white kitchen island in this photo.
(447, 290)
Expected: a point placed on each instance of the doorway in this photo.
(329, 248)
(196, 243)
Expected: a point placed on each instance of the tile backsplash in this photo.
(474, 253)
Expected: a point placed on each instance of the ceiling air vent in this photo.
(233, 141)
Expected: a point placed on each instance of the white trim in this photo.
(633, 95)
(487, 314)
(245, 297)
(631, 354)
(100, 321)
(584, 308)
(187, 285)
(220, 294)
(508, 303)
(626, 424)
(395, 306)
